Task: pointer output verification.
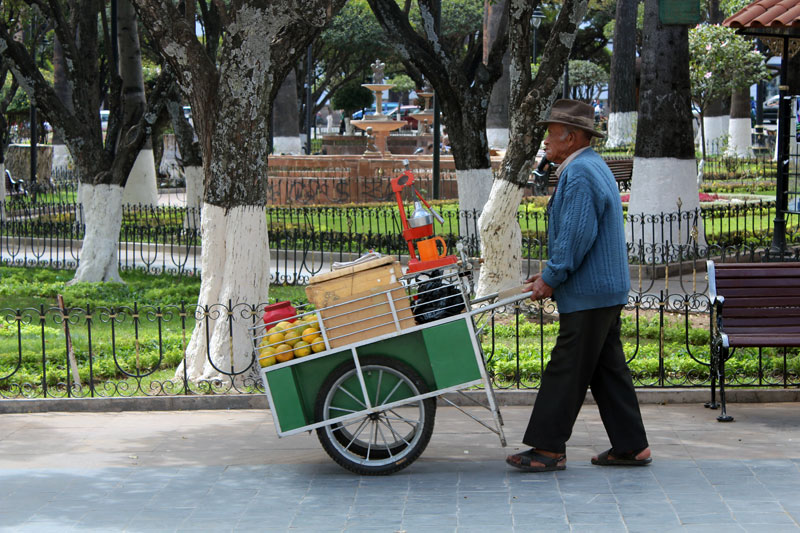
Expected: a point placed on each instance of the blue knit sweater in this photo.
(588, 265)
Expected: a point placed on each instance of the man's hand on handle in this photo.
(539, 289)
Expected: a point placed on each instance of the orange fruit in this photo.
(317, 344)
(283, 353)
(302, 349)
(283, 325)
(276, 338)
(291, 337)
(309, 334)
(266, 353)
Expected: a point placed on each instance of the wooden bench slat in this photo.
(737, 283)
(762, 321)
(720, 267)
(766, 341)
(757, 273)
(765, 330)
(760, 301)
(760, 291)
(772, 310)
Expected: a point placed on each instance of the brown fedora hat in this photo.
(573, 113)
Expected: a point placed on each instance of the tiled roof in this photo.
(774, 14)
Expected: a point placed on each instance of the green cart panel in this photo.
(443, 355)
(408, 348)
(294, 389)
(451, 354)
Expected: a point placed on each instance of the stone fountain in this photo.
(425, 115)
(378, 126)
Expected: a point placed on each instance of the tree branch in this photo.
(178, 44)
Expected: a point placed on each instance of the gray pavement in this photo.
(226, 470)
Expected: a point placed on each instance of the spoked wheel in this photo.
(382, 442)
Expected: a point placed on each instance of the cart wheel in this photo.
(382, 442)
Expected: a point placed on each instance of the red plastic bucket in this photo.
(279, 311)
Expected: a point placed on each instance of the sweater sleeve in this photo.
(577, 230)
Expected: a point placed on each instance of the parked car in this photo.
(187, 112)
(388, 107)
(770, 109)
(406, 112)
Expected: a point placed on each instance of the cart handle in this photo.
(504, 297)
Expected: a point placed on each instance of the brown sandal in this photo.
(620, 458)
(524, 461)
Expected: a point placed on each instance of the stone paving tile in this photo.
(764, 518)
(678, 492)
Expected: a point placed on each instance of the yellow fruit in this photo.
(302, 349)
(276, 338)
(291, 337)
(318, 345)
(309, 334)
(310, 319)
(283, 325)
(283, 353)
(272, 330)
(265, 353)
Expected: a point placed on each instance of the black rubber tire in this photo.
(376, 458)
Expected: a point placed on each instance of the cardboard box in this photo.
(354, 301)
(333, 287)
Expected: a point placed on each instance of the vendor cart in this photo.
(370, 380)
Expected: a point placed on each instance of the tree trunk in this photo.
(102, 212)
(531, 101)
(739, 128)
(231, 107)
(4, 133)
(664, 170)
(463, 88)
(236, 249)
(622, 83)
(2, 189)
(191, 157)
(716, 121)
(497, 115)
(96, 164)
(286, 116)
(61, 159)
(140, 187)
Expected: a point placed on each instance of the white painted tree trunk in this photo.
(501, 242)
(349, 128)
(235, 264)
(141, 185)
(102, 211)
(2, 191)
(621, 129)
(61, 159)
(793, 163)
(474, 186)
(287, 145)
(663, 185)
(193, 176)
(740, 140)
(716, 129)
(497, 138)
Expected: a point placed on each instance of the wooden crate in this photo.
(354, 301)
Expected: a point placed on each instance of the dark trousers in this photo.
(588, 352)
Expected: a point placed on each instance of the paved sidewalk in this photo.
(227, 471)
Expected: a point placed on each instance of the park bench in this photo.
(623, 172)
(753, 305)
(14, 187)
(622, 169)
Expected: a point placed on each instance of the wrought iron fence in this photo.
(139, 350)
(307, 240)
